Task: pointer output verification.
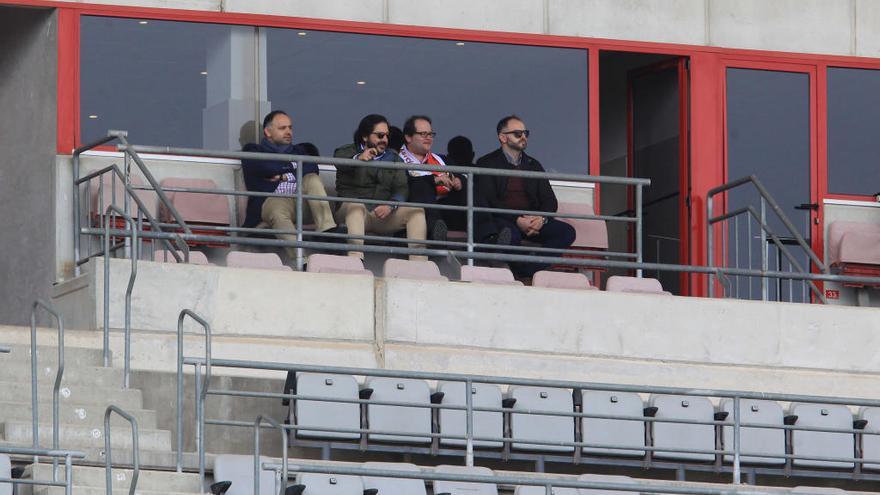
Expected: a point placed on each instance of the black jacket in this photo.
(492, 188)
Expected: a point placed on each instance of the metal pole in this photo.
(76, 213)
(179, 405)
(749, 225)
(68, 475)
(199, 424)
(764, 248)
(710, 227)
(106, 289)
(470, 217)
(469, 400)
(736, 440)
(639, 228)
(736, 251)
(126, 200)
(134, 262)
(299, 216)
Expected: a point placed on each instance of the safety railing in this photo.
(128, 290)
(767, 237)
(67, 455)
(201, 390)
(59, 374)
(734, 452)
(5, 350)
(108, 455)
(258, 423)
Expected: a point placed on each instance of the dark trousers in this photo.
(423, 190)
(554, 234)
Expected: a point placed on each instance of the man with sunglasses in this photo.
(371, 143)
(517, 193)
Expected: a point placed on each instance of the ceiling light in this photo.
(460, 43)
(204, 73)
(93, 116)
(143, 22)
(361, 83)
(302, 33)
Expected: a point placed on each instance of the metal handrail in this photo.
(68, 456)
(5, 350)
(59, 373)
(280, 487)
(767, 198)
(202, 387)
(135, 450)
(131, 279)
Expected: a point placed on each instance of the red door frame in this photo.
(680, 65)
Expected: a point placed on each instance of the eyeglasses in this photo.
(518, 133)
(380, 135)
(425, 134)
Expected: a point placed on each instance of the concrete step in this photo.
(87, 476)
(73, 394)
(71, 414)
(96, 376)
(153, 459)
(48, 355)
(79, 437)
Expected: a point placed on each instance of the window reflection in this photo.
(853, 127)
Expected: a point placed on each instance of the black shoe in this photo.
(440, 231)
(339, 229)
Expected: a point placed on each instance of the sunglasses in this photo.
(380, 135)
(518, 133)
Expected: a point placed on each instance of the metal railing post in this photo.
(201, 392)
(764, 247)
(737, 431)
(135, 450)
(639, 228)
(59, 373)
(470, 217)
(469, 400)
(710, 244)
(198, 409)
(299, 215)
(280, 488)
(76, 213)
(131, 278)
(68, 475)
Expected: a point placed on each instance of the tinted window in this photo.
(853, 129)
(464, 87)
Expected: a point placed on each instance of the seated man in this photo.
(280, 177)
(516, 193)
(371, 143)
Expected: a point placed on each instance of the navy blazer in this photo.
(257, 174)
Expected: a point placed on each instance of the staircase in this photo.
(87, 388)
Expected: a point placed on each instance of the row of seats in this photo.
(627, 436)
(5, 472)
(424, 270)
(235, 473)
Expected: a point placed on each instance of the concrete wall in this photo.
(27, 151)
(839, 27)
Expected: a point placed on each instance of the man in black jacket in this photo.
(279, 177)
(516, 193)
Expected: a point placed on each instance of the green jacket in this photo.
(370, 183)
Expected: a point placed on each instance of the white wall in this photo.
(839, 27)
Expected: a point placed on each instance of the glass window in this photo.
(328, 81)
(853, 129)
(151, 78)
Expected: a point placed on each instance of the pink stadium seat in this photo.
(487, 275)
(198, 208)
(854, 249)
(562, 280)
(590, 234)
(416, 270)
(266, 261)
(147, 197)
(618, 283)
(195, 257)
(331, 263)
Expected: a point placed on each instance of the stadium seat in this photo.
(265, 261)
(407, 486)
(488, 275)
(540, 490)
(871, 443)
(331, 263)
(819, 490)
(618, 283)
(323, 414)
(149, 198)
(328, 484)
(605, 478)
(196, 208)
(195, 257)
(546, 428)
(589, 234)
(6, 472)
(822, 443)
(409, 269)
(600, 431)
(239, 470)
(854, 249)
(755, 440)
(561, 280)
(398, 418)
(681, 435)
(485, 423)
(462, 487)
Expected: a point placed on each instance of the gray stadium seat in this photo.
(540, 490)
(461, 487)
(680, 435)
(6, 472)
(625, 433)
(486, 424)
(821, 443)
(755, 440)
(605, 478)
(541, 427)
(871, 443)
(239, 469)
(399, 418)
(329, 484)
(339, 415)
(402, 486)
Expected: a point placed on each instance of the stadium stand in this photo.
(267, 261)
(411, 269)
(457, 487)
(330, 263)
(679, 435)
(821, 443)
(764, 441)
(238, 472)
(524, 427)
(195, 257)
(602, 431)
(488, 275)
(5, 472)
(410, 420)
(485, 423)
(618, 283)
(561, 280)
(326, 415)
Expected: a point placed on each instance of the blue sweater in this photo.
(258, 172)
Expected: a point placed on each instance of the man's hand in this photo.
(529, 224)
(276, 178)
(368, 154)
(455, 183)
(382, 211)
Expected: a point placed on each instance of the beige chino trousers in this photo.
(359, 221)
(280, 213)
